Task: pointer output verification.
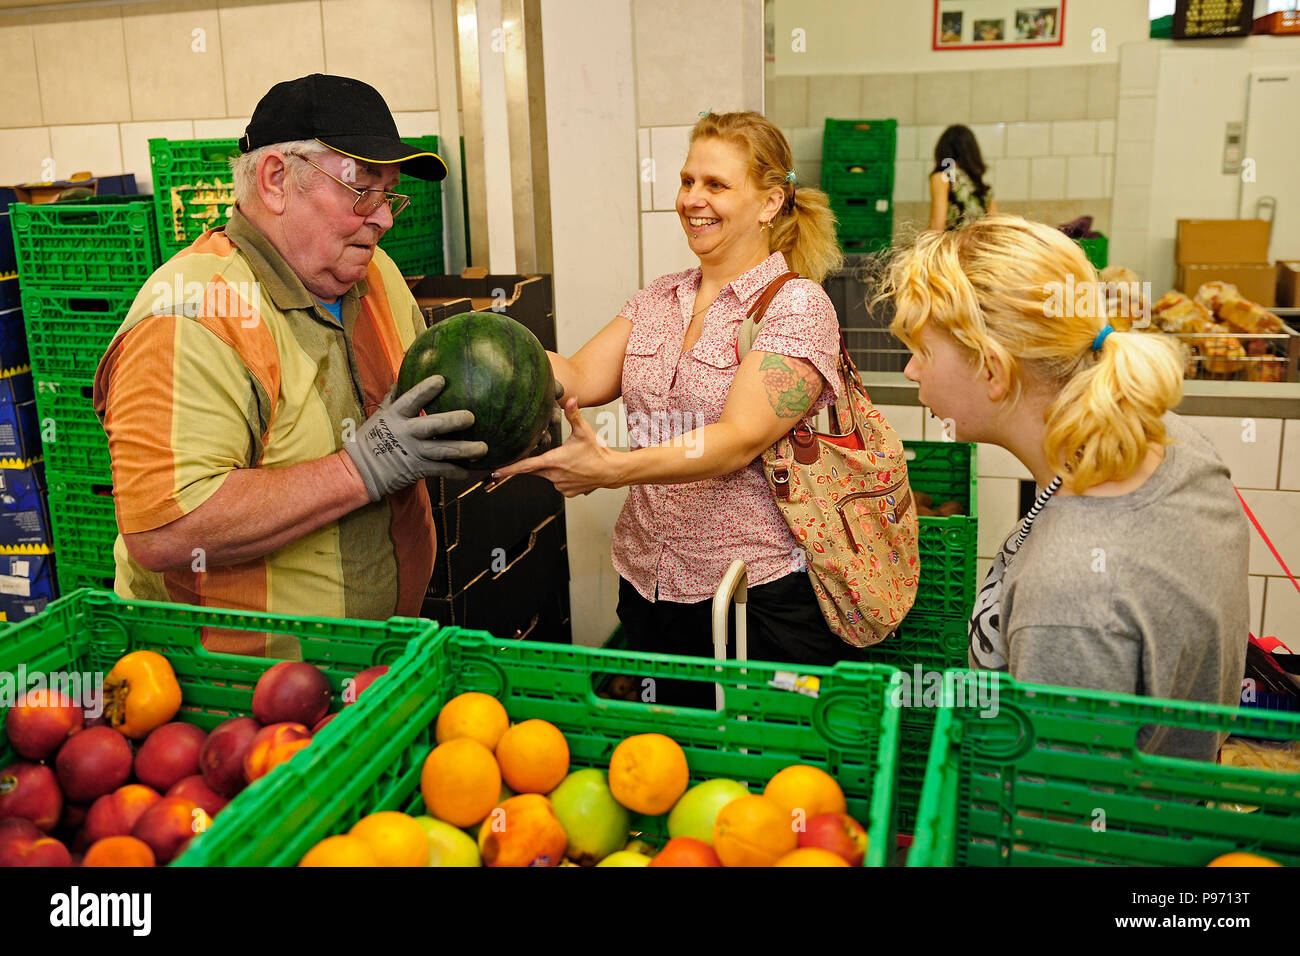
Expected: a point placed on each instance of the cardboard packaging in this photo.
(1222, 241)
(13, 336)
(1257, 282)
(24, 514)
(20, 436)
(526, 299)
(26, 585)
(1281, 23)
(1288, 284)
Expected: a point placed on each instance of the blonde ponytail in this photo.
(804, 230)
(1022, 294)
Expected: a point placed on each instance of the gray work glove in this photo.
(397, 446)
(557, 415)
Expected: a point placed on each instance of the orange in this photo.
(523, 831)
(753, 831)
(534, 757)
(477, 716)
(648, 773)
(811, 856)
(1242, 859)
(800, 787)
(460, 782)
(118, 851)
(343, 850)
(394, 838)
(686, 851)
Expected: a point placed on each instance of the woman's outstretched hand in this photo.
(579, 466)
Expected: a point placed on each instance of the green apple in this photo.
(693, 814)
(595, 822)
(449, 846)
(625, 858)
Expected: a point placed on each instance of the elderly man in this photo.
(260, 459)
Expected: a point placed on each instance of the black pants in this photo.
(784, 624)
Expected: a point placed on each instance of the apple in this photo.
(449, 846)
(839, 833)
(362, 681)
(693, 814)
(625, 858)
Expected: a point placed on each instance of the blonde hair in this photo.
(996, 286)
(804, 230)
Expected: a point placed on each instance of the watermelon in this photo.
(494, 367)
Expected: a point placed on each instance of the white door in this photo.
(1273, 143)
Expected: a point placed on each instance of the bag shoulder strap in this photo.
(749, 328)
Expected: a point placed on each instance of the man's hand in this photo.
(397, 446)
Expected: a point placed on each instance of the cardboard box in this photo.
(1222, 241)
(526, 299)
(1288, 284)
(24, 514)
(1280, 23)
(13, 336)
(20, 436)
(1258, 283)
(26, 585)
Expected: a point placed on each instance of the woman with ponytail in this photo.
(699, 416)
(1129, 572)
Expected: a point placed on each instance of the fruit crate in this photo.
(415, 241)
(108, 242)
(374, 759)
(933, 644)
(1028, 786)
(946, 471)
(193, 188)
(1096, 250)
(88, 631)
(842, 178)
(860, 140)
(68, 331)
(74, 443)
(84, 529)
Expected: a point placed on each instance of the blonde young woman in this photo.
(699, 417)
(1129, 572)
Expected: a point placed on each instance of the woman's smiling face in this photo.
(719, 207)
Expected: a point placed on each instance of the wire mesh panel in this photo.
(865, 323)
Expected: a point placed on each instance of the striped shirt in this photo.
(225, 361)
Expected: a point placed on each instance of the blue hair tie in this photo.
(789, 177)
(1101, 337)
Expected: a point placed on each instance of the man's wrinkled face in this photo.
(327, 244)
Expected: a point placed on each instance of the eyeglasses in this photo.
(368, 200)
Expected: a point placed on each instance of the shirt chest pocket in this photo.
(708, 371)
(642, 367)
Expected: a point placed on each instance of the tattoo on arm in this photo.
(791, 385)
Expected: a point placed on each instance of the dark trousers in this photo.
(784, 624)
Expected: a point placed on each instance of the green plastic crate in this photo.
(843, 177)
(69, 331)
(862, 226)
(374, 759)
(84, 529)
(415, 241)
(1055, 779)
(193, 188)
(87, 632)
(861, 140)
(72, 578)
(1097, 251)
(934, 644)
(108, 242)
(946, 471)
(73, 440)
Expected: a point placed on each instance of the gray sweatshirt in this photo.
(1141, 594)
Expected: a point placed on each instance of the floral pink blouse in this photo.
(674, 542)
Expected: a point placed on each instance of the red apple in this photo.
(323, 721)
(16, 830)
(40, 722)
(116, 813)
(196, 788)
(291, 692)
(42, 851)
(363, 680)
(839, 833)
(169, 754)
(93, 762)
(221, 761)
(169, 825)
(31, 791)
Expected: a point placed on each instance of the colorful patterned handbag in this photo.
(845, 495)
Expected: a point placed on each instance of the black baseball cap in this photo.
(344, 114)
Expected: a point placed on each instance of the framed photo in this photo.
(997, 24)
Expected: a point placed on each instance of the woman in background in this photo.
(958, 193)
(1129, 572)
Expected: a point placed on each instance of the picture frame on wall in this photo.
(997, 24)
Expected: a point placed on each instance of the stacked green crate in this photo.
(80, 266)
(858, 176)
(933, 636)
(194, 191)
